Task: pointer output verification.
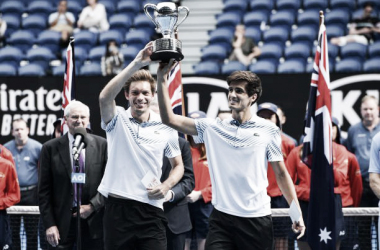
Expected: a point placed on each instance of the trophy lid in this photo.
(166, 8)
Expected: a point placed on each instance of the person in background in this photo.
(93, 17)
(9, 196)
(57, 128)
(175, 205)
(269, 111)
(282, 117)
(63, 22)
(244, 48)
(26, 152)
(361, 29)
(57, 194)
(358, 141)
(112, 62)
(200, 198)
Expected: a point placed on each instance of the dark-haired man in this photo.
(242, 215)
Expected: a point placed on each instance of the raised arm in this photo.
(180, 123)
(110, 91)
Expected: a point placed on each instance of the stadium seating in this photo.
(297, 51)
(129, 52)
(254, 33)
(11, 55)
(207, 68)
(337, 17)
(309, 18)
(137, 38)
(109, 35)
(289, 5)
(315, 5)
(284, 19)
(228, 20)
(348, 65)
(214, 53)
(277, 35)
(305, 35)
(255, 19)
(235, 6)
(74, 7)
(346, 5)
(374, 50)
(15, 7)
(41, 7)
(22, 39)
(85, 39)
(143, 22)
(31, 70)
(120, 22)
(110, 7)
(356, 50)
(13, 23)
(49, 39)
(262, 5)
(222, 37)
(129, 7)
(41, 56)
(96, 53)
(372, 65)
(92, 69)
(271, 51)
(263, 67)
(291, 66)
(7, 70)
(80, 55)
(34, 23)
(232, 66)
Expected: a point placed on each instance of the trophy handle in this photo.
(146, 6)
(180, 8)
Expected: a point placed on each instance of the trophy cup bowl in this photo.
(166, 21)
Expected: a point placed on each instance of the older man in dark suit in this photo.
(176, 209)
(57, 194)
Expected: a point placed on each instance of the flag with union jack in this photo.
(68, 93)
(317, 152)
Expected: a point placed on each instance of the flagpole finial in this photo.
(72, 39)
(321, 16)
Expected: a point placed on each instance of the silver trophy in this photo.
(166, 21)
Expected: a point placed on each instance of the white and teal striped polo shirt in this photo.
(133, 149)
(238, 156)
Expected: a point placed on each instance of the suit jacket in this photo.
(56, 192)
(177, 211)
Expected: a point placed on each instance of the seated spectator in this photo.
(245, 48)
(62, 21)
(361, 30)
(112, 61)
(93, 17)
(3, 29)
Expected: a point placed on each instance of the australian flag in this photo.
(68, 92)
(317, 152)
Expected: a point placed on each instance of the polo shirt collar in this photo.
(237, 123)
(152, 116)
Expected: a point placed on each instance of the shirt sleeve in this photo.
(274, 152)
(374, 160)
(12, 188)
(110, 126)
(172, 147)
(201, 125)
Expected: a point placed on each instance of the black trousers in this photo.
(87, 242)
(5, 230)
(228, 232)
(175, 241)
(133, 225)
(28, 198)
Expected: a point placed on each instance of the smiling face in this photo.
(78, 117)
(139, 96)
(238, 99)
